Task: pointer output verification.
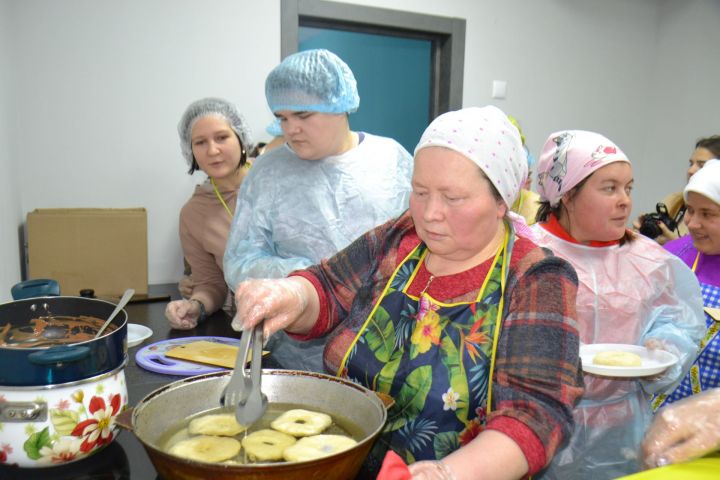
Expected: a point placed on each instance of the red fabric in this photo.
(323, 319)
(553, 226)
(454, 286)
(524, 437)
(451, 286)
(393, 468)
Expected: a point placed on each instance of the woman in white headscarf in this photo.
(631, 291)
(470, 328)
(701, 252)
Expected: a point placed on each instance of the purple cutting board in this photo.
(152, 357)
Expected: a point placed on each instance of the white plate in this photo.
(137, 333)
(653, 361)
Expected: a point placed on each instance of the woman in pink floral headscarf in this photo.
(631, 291)
(468, 326)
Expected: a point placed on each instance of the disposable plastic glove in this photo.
(431, 470)
(684, 430)
(182, 314)
(657, 344)
(278, 302)
(394, 468)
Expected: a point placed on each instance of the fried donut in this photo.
(206, 448)
(301, 423)
(317, 446)
(266, 445)
(223, 425)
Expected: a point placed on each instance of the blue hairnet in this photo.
(212, 106)
(530, 157)
(312, 81)
(274, 128)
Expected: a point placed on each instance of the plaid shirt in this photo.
(537, 378)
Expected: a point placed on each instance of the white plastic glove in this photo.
(431, 470)
(278, 302)
(182, 314)
(684, 430)
(185, 286)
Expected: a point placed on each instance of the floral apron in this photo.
(434, 359)
(705, 371)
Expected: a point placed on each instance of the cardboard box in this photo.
(98, 248)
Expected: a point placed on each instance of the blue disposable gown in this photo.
(626, 294)
(291, 213)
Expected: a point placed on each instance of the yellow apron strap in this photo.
(372, 313)
(498, 320)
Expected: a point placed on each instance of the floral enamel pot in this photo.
(45, 426)
(55, 364)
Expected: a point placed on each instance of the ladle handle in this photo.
(121, 304)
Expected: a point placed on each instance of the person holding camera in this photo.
(631, 291)
(665, 224)
(701, 252)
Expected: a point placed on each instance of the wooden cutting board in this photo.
(202, 351)
(210, 353)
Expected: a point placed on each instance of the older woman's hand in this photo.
(279, 303)
(183, 314)
(684, 430)
(185, 286)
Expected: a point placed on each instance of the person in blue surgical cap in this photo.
(309, 198)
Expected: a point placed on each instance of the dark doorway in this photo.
(408, 66)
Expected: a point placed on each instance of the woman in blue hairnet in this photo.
(631, 291)
(312, 196)
(215, 139)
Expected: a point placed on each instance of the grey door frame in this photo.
(446, 33)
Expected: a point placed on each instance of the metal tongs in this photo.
(243, 391)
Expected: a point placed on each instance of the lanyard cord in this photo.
(697, 257)
(222, 200)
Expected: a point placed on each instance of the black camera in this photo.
(650, 227)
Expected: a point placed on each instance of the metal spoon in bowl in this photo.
(121, 304)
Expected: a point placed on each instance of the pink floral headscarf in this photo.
(570, 156)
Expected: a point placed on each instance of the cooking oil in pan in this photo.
(179, 432)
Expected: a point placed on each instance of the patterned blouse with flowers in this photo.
(536, 379)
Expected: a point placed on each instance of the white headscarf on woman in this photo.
(486, 137)
(706, 181)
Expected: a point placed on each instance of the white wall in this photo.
(101, 85)
(10, 211)
(684, 103)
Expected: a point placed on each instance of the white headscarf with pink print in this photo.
(570, 156)
(487, 138)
